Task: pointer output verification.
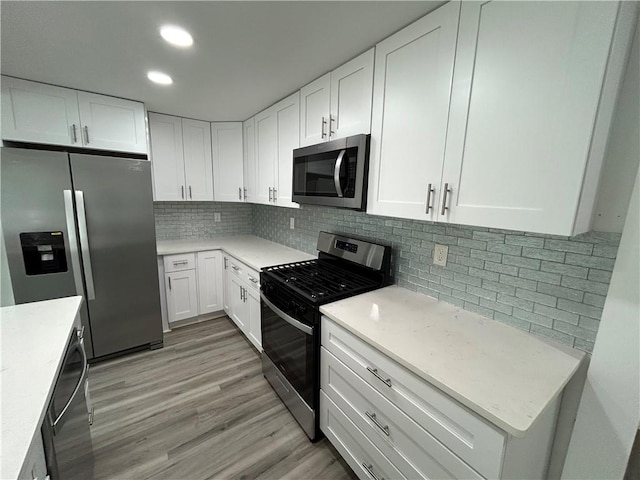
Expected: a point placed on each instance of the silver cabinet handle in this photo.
(430, 190)
(287, 318)
(332, 120)
(225, 262)
(182, 262)
(374, 419)
(369, 469)
(270, 190)
(236, 268)
(84, 245)
(86, 134)
(324, 124)
(245, 193)
(190, 194)
(445, 192)
(239, 193)
(275, 194)
(244, 290)
(253, 279)
(374, 371)
(169, 278)
(336, 173)
(72, 235)
(74, 133)
(56, 423)
(182, 191)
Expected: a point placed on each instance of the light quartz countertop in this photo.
(503, 374)
(34, 339)
(256, 252)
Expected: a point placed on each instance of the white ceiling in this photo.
(246, 55)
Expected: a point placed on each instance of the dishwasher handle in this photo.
(56, 424)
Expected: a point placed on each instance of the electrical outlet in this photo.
(440, 255)
(216, 216)
(292, 223)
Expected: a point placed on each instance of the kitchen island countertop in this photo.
(503, 374)
(34, 338)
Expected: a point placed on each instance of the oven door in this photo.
(333, 173)
(290, 345)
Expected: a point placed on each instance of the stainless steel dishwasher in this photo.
(66, 427)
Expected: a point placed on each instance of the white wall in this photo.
(623, 152)
(609, 412)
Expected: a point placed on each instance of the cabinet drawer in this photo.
(247, 274)
(361, 455)
(415, 452)
(461, 431)
(177, 263)
(252, 278)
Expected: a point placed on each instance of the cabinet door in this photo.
(167, 160)
(255, 324)
(198, 166)
(527, 83)
(110, 123)
(249, 156)
(351, 89)
(314, 111)
(226, 142)
(413, 72)
(266, 155)
(39, 113)
(210, 290)
(182, 295)
(288, 138)
(239, 307)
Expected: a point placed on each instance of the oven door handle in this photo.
(336, 172)
(290, 320)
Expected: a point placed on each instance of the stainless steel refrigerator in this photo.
(83, 225)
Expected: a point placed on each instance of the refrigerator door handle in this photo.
(84, 245)
(73, 241)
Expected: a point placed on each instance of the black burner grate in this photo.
(321, 281)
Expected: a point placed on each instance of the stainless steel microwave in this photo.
(332, 173)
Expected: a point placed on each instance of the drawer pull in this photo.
(374, 419)
(374, 371)
(369, 469)
(183, 262)
(253, 279)
(236, 268)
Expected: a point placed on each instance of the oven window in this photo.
(314, 175)
(291, 350)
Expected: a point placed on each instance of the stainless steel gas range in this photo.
(291, 296)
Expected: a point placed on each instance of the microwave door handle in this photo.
(336, 172)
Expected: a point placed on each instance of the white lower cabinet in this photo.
(390, 423)
(193, 284)
(242, 299)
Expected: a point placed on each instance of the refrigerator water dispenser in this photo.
(43, 252)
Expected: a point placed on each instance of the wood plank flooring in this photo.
(199, 408)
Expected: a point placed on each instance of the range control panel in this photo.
(347, 246)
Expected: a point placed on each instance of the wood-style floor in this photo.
(199, 408)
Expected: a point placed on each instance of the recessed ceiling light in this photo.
(159, 77)
(176, 36)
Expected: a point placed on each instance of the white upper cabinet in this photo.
(412, 85)
(351, 87)
(518, 141)
(277, 132)
(181, 158)
(315, 101)
(227, 149)
(39, 113)
(35, 112)
(266, 138)
(287, 114)
(249, 157)
(198, 168)
(338, 104)
(110, 123)
(167, 157)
